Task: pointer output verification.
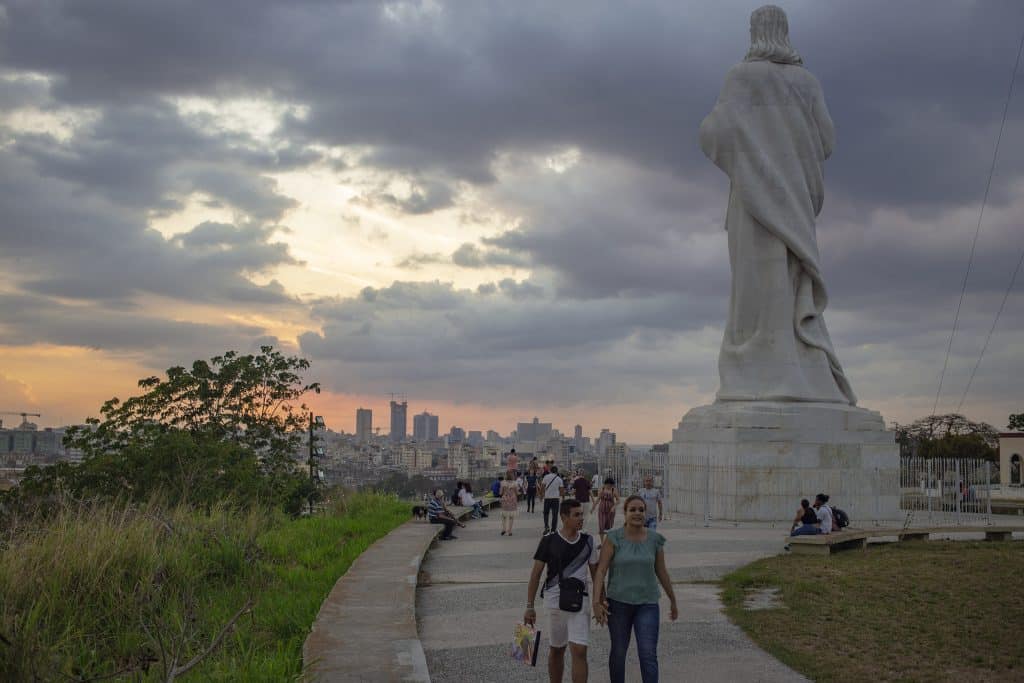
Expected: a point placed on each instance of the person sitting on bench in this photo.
(437, 513)
(806, 521)
(467, 500)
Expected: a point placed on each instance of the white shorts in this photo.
(569, 627)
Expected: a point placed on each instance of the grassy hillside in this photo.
(130, 593)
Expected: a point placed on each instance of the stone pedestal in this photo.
(755, 460)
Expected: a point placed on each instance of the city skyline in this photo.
(499, 210)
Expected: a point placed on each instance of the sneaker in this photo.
(502, 533)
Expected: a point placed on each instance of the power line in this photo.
(1006, 295)
(981, 214)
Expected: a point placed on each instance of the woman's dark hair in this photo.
(804, 503)
(809, 517)
(625, 504)
(469, 489)
(609, 482)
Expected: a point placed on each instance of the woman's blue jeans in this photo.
(624, 619)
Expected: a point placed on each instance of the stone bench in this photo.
(366, 628)
(826, 544)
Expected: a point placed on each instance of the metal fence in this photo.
(629, 472)
(947, 490)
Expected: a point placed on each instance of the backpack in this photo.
(842, 519)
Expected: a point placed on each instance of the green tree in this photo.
(950, 435)
(1016, 422)
(228, 428)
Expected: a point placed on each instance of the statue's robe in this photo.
(770, 132)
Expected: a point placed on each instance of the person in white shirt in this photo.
(652, 500)
(553, 488)
(467, 500)
(595, 485)
(824, 513)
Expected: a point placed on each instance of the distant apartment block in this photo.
(456, 435)
(533, 431)
(399, 421)
(364, 424)
(424, 427)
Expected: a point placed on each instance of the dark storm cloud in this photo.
(31, 319)
(57, 241)
(442, 96)
(515, 336)
(442, 91)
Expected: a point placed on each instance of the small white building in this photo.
(1011, 459)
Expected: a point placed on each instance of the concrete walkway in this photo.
(473, 590)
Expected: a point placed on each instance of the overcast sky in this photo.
(499, 209)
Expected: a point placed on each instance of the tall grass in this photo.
(129, 593)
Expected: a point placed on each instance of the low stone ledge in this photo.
(366, 628)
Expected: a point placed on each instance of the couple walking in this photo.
(632, 558)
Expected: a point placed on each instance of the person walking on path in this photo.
(595, 485)
(509, 504)
(633, 559)
(437, 513)
(512, 463)
(652, 499)
(553, 488)
(607, 499)
(581, 488)
(569, 555)
(531, 490)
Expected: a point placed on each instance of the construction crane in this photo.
(24, 416)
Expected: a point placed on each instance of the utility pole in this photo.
(314, 452)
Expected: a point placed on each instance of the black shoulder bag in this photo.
(571, 591)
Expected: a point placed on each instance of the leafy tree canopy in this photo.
(227, 428)
(950, 435)
(1016, 422)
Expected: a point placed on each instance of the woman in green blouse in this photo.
(633, 557)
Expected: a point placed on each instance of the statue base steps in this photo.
(754, 461)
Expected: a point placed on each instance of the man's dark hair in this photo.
(567, 506)
(822, 497)
(512, 451)
(554, 469)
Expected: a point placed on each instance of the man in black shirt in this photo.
(573, 554)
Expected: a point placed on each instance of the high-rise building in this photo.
(605, 441)
(364, 424)
(424, 426)
(578, 434)
(475, 438)
(533, 431)
(399, 421)
(456, 435)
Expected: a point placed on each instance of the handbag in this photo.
(572, 591)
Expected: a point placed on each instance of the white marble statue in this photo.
(770, 132)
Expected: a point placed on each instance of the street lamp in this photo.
(315, 451)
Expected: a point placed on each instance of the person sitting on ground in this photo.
(806, 521)
(467, 500)
(437, 513)
(824, 513)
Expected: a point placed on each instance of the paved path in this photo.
(472, 592)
